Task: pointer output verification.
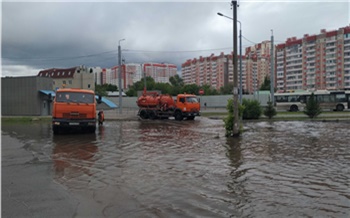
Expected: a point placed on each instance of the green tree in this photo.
(312, 108)
(190, 89)
(227, 89)
(252, 109)
(111, 88)
(101, 89)
(176, 81)
(266, 84)
(139, 85)
(270, 111)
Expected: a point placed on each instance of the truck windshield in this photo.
(75, 97)
(191, 99)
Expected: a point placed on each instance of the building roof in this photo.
(58, 73)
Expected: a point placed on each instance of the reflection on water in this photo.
(189, 169)
(73, 155)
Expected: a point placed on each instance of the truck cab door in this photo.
(181, 103)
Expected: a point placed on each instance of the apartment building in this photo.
(216, 71)
(75, 77)
(159, 72)
(258, 65)
(133, 72)
(314, 62)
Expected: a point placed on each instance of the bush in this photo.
(230, 118)
(252, 109)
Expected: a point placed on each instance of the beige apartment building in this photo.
(216, 71)
(75, 77)
(315, 62)
(257, 65)
(131, 73)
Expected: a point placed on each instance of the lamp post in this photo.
(240, 56)
(235, 130)
(120, 75)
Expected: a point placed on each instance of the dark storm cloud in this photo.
(65, 34)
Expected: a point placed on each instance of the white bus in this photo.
(328, 100)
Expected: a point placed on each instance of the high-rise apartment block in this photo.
(258, 65)
(159, 72)
(216, 71)
(314, 62)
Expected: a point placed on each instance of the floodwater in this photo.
(189, 169)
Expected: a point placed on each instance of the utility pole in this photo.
(272, 76)
(235, 131)
(240, 63)
(120, 76)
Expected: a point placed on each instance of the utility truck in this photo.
(74, 109)
(153, 105)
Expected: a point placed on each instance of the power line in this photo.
(60, 58)
(180, 51)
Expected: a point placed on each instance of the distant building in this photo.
(314, 62)
(75, 77)
(258, 65)
(215, 71)
(131, 73)
(159, 72)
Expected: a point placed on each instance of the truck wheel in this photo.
(178, 115)
(55, 130)
(143, 114)
(152, 115)
(92, 129)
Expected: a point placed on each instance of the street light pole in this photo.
(240, 62)
(235, 131)
(240, 57)
(120, 76)
(272, 74)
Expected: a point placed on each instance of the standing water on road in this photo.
(189, 169)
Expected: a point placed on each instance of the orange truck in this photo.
(74, 109)
(157, 106)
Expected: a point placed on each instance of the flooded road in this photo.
(189, 169)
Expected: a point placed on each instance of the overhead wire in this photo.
(129, 51)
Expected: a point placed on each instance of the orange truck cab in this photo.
(74, 109)
(188, 106)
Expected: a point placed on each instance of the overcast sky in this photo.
(42, 35)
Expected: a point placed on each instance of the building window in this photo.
(64, 82)
(88, 85)
(70, 82)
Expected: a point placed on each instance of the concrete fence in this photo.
(214, 101)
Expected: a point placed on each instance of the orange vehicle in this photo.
(156, 106)
(74, 109)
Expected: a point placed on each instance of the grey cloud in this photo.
(54, 34)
